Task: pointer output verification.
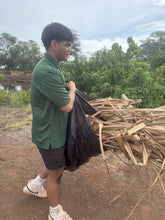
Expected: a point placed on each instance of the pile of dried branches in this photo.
(138, 132)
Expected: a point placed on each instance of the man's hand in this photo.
(72, 89)
(71, 86)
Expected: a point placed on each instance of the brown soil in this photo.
(86, 194)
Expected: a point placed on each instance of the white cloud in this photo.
(159, 2)
(99, 23)
(152, 26)
(89, 47)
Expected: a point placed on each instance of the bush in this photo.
(4, 97)
(2, 77)
(18, 99)
(15, 99)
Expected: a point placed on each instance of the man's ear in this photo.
(53, 44)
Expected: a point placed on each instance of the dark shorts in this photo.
(53, 158)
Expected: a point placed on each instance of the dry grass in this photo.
(15, 118)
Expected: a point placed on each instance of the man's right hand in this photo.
(72, 89)
(71, 86)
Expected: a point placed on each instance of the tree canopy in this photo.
(18, 55)
(139, 72)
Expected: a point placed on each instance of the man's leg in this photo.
(53, 190)
(53, 186)
(44, 172)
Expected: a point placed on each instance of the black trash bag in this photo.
(87, 107)
(81, 142)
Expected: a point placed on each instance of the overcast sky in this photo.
(99, 23)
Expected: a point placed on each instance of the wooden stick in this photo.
(118, 113)
(160, 180)
(102, 150)
(122, 192)
(136, 128)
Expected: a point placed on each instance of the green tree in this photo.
(18, 55)
(7, 55)
(76, 46)
(159, 75)
(152, 46)
(113, 72)
(28, 54)
(157, 59)
(133, 51)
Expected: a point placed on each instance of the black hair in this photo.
(56, 31)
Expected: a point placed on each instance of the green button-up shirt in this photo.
(48, 95)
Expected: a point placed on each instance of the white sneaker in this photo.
(58, 214)
(34, 190)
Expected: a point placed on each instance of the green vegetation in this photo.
(139, 72)
(4, 97)
(15, 99)
(18, 55)
(1, 77)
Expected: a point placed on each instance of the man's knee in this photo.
(56, 175)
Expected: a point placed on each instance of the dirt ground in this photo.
(86, 194)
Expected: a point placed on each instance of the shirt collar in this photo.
(51, 59)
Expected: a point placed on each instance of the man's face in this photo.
(62, 51)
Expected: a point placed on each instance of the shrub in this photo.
(2, 77)
(18, 99)
(4, 97)
(15, 99)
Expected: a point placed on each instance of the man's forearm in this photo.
(72, 97)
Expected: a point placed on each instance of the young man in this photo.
(51, 101)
